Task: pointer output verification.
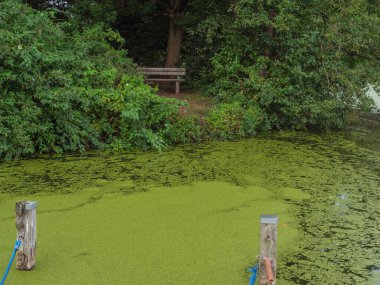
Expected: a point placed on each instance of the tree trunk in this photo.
(122, 5)
(173, 51)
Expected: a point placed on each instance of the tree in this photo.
(64, 88)
(164, 13)
(175, 9)
(305, 64)
(128, 15)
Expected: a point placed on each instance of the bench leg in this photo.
(177, 87)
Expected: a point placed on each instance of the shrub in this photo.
(225, 121)
(254, 121)
(304, 68)
(66, 90)
(232, 121)
(185, 130)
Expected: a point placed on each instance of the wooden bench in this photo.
(163, 74)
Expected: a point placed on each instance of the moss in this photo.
(194, 213)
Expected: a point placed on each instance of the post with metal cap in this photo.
(268, 250)
(26, 224)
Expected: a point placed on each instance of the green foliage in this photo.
(64, 90)
(305, 64)
(225, 121)
(254, 121)
(271, 64)
(90, 12)
(145, 118)
(185, 130)
(231, 121)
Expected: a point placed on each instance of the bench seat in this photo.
(166, 74)
(165, 79)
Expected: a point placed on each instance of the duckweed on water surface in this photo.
(202, 233)
(191, 215)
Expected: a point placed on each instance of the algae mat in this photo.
(206, 233)
(190, 215)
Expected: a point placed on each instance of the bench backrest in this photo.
(161, 71)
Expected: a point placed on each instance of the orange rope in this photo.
(268, 269)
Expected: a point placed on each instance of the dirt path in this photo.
(197, 104)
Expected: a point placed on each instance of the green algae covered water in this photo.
(190, 215)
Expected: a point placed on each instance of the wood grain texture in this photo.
(26, 224)
(164, 79)
(162, 71)
(177, 87)
(268, 248)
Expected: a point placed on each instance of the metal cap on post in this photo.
(26, 224)
(30, 205)
(269, 219)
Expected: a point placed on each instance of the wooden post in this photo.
(268, 249)
(177, 85)
(26, 224)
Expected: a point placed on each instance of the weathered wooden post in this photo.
(177, 85)
(268, 250)
(26, 224)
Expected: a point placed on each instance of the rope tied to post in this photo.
(253, 270)
(269, 271)
(15, 249)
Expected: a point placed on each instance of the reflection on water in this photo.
(335, 198)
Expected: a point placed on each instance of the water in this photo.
(190, 215)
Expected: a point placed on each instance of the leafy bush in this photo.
(65, 90)
(306, 64)
(185, 130)
(271, 65)
(254, 121)
(232, 121)
(225, 121)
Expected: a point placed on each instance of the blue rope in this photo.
(254, 269)
(17, 246)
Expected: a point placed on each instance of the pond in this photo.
(190, 215)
